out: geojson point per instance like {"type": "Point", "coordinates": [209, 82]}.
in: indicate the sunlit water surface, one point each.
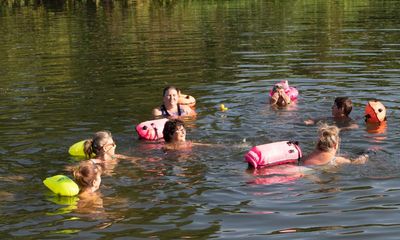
{"type": "Point", "coordinates": [70, 69]}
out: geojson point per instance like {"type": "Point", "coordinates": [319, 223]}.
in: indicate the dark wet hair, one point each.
{"type": "Point", "coordinates": [344, 103]}
{"type": "Point", "coordinates": [170, 87]}
{"type": "Point", "coordinates": [170, 127]}
{"type": "Point", "coordinates": [94, 145]}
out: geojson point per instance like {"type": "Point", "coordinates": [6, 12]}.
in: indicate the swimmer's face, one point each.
{"type": "Point", "coordinates": [277, 88]}
{"type": "Point", "coordinates": [179, 134]}
{"type": "Point", "coordinates": [336, 112]}
{"type": "Point", "coordinates": [171, 97]}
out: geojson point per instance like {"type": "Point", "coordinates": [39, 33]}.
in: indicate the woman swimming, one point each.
{"type": "Point", "coordinates": [325, 152]}
{"type": "Point", "coordinates": [175, 136]}
{"type": "Point", "coordinates": [103, 147]}
{"type": "Point", "coordinates": [341, 110]}
{"type": "Point", "coordinates": [170, 106]}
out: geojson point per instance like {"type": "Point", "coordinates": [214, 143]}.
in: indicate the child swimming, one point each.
{"type": "Point", "coordinates": [341, 110]}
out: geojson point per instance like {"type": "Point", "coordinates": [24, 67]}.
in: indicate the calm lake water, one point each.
{"type": "Point", "coordinates": [69, 69]}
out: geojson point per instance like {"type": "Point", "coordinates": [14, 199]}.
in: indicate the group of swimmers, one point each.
{"type": "Point", "coordinates": [100, 149]}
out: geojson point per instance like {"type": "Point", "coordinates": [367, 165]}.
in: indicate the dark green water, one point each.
{"type": "Point", "coordinates": [69, 69]}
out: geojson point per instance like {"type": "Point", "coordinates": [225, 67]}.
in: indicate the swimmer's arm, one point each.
{"type": "Point", "coordinates": [351, 127]}
{"type": "Point", "coordinates": [309, 122]}
{"type": "Point", "coordinates": [313, 121]}
{"type": "Point", "coordinates": [285, 97]}
{"type": "Point", "coordinates": [203, 144]}
{"type": "Point", "coordinates": [274, 98]}
{"type": "Point", "coordinates": [362, 159]}
{"type": "Point", "coordinates": [342, 160]}
{"type": "Point", "coordinates": [124, 157]}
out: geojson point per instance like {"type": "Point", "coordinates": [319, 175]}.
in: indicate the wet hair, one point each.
{"type": "Point", "coordinates": [170, 87]}
{"type": "Point", "coordinates": [95, 144]}
{"type": "Point", "coordinates": [345, 104]}
{"type": "Point", "coordinates": [170, 128]}
{"type": "Point", "coordinates": [328, 137]}
{"type": "Point", "coordinates": [85, 174]}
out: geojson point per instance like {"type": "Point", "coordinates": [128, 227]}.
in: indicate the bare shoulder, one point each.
{"type": "Point", "coordinates": [157, 112]}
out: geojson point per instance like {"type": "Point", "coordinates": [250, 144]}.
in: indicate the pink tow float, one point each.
{"type": "Point", "coordinates": [274, 154]}
{"type": "Point", "coordinates": [292, 92]}
{"type": "Point", "coordinates": [151, 130]}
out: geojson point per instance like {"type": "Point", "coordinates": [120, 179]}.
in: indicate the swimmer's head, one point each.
{"type": "Point", "coordinates": [277, 87]}
{"type": "Point", "coordinates": [171, 95]}
{"type": "Point", "coordinates": [88, 176]}
{"type": "Point", "coordinates": [174, 131]}
{"type": "Point", "coordinates": [328, 138]}
{"type": "Point", "coordinates": [342, 105]}
{"type": "Point", "coordinates": [101, 143]}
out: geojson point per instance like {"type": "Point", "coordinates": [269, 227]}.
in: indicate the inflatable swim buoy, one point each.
{"type": "Point", "coordinates": [186, 100]}
{"type": "Point", "coordinates": [62, 185]}
{"type": "Point", "coordinates": [376, 128]}
{"type": "Point", "coordinates": [292, 92]}
{"type": "Point", "coordinates": [151, 130]}
{"type": "Point", "coordinates": [77, 149]}
{"type": "Point", "coordinates": [375, 112]}
{"type": "Point", "coordinates": [274, 154]}
{"type": "Point", "coordinates": [280, 174]}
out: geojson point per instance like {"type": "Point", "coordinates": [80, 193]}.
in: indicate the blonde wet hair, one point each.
{"type": "Point", "coordinates": [95, 144]}
{"type": "Point", "coordinates": [328, 137]}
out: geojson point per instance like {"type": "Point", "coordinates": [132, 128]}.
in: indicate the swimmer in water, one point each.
{"type": "Point", "coordinates": [279, 97]}
{"type": "Point", "coordinates": [325, 152]}
{"type": "Point", "coordinates": [341, 110]}
{"type": "Point", "coordinates": [174, 133]}
{"type": "Point", "coordinates": [170, 106]}
{"type": "Point", "coordinates": [88, 177]}
{"type": "Point", "coordinates": [102, 146]}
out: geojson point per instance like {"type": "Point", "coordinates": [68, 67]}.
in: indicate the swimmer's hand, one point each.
{"type": "Point", "coordinates": [309, 122]}
{"type": "Point", "coordinates": [281, 92]}
{"type": "Point", "coordinates": [362, 159]}
{"type": "Point", "coordinates": [374, 149]}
